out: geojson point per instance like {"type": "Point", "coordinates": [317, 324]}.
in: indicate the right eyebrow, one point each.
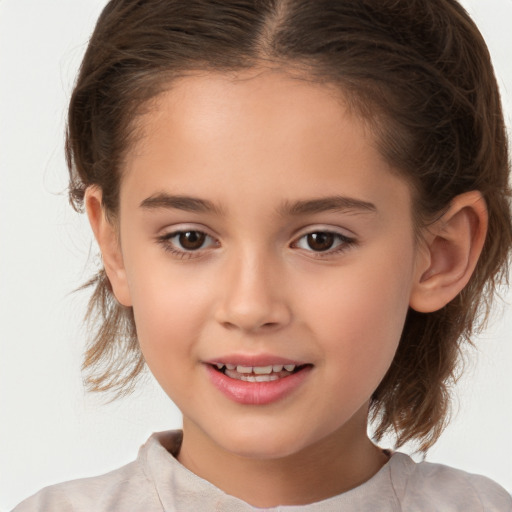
{"type": "Point", "coordinates": [178, 202]}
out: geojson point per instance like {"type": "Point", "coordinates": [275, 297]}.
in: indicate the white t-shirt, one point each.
{"type": "Point", "coordinates": [157, 482]}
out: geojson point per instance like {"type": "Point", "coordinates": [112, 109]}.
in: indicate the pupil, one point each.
{"type": "Point", "coordinates": [320, 241]}
{"type": "Point", "coordinates": [192, 240]}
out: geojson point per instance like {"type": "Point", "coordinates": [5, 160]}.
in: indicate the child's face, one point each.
{"type": "Point", "coordinates": [300, 250]}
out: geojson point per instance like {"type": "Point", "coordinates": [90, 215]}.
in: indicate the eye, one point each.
{"type": "Point", "coordinates": [189, 240]}
{"type": "Point", "coordinates": [186, 241]}
{"type": "Point", "coordinates": [324, 242]}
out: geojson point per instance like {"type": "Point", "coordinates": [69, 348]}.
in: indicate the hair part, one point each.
{"type": "Point", "coordinates": [418, 71]}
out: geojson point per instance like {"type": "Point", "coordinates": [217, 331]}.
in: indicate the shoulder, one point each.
{"type": "Point", "coordinates": [428, 486]}
{"type": "Point", "coordinates": [99, 493]}
{"type": "Point", "coordinates": [127, 488]}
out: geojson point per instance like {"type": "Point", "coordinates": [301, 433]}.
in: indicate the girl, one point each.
{"type": "Point", "coordinates": [302, 209]}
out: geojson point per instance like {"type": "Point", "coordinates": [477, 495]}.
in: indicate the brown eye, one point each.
{"type": "Point", "coordinates": [191, 240]}
{"type": "Point", "coordinates": [320, 241]}
{"type": "Point", "coordinates": [328, 242]}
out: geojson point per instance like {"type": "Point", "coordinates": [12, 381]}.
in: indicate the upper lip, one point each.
{"type": "Point", "coordinates": [254, 360]}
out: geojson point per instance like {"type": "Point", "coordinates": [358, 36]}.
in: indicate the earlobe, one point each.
{"type": "Point", "coordinates": [450, 252]}
{"type": "Point", "coordinates": [107, 237]}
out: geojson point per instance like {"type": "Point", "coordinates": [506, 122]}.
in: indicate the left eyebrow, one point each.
{"type": "Point", "coordinates": [177, 202]}
{"type": "Point", "coordinates": [323, 204]}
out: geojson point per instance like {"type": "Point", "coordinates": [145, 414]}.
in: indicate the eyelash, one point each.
{"type": "Point", "coordinates": [344, 243]}
{"type": "Point", "coordinates": [169, 246]}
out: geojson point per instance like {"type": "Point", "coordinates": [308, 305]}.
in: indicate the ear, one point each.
{"type": "Point", "coordinates": [450, 252]}
{"type": "Point", "coordinates": [106, 234]}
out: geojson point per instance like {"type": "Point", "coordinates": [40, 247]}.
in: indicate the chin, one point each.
{"type": "Point", "coordinates": [264, 444]}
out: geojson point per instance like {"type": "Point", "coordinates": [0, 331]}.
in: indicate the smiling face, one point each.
{"type": "Point", "coordinates": [268, 253]}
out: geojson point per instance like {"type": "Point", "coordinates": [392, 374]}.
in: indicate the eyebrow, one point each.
{"type": "Point", "coordinates": [178, 202]}
{"type": "Point", "coordinates": [288, 208]}
{"type": "Point", "coordinates": [323, 204]}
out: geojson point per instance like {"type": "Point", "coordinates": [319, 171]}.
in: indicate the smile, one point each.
{"type": "Point", "coordinates": [259, 384]}
{"type": "Point", "coordinates": [258, 373]}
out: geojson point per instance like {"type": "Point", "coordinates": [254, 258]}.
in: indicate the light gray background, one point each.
{"type": "Point", "coordinates": [49, 429]}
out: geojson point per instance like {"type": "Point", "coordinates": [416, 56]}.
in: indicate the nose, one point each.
{"type": "Point", "coordinates": [253, 297]}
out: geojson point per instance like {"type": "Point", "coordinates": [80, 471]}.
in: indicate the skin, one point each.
{"type": "Point", "coordinates": [253, 146]}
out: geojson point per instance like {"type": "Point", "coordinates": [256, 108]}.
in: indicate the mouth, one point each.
{"type": "Point", "coordinates": [267, 373]}
{"type": "Point", "coordinates": [259, 382]}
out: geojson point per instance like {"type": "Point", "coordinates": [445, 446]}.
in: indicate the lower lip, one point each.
{"type": "Point", "coordinates": [257, 393]}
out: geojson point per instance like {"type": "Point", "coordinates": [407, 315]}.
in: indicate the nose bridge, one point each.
{"type": "Point", "coordinates": [253, 295]}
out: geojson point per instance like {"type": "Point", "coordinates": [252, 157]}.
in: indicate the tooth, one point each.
{"type": "Point", "coordinates": [264, 378]}
{"type": "Point", "coordinates": [230, 366]}
{"type": "Point", "coordinates": [289, 367]}
{"type": "Point", "coordinates": [219, 366]}
{"type": "Point", "coordinates": [244, 369]}
{"type": "Point", "coordinates": [251, 378]}
{"type": "Point", "coordinates": [232, 374]}
{"type": "Point", "coordinates": [262, 370]}
{"type": "Point", "coordinates": [277, 367]}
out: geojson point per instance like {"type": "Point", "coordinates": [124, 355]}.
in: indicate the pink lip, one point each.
{"type": "Point", "coordinates": [254, 360]}
{"type": "Point", "coordinates": [256, 393]}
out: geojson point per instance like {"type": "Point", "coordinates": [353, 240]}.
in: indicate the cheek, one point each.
{"type": "Point", "coordinates": [170, 309]}
{"type": "Point", "coordinates": [360, 315]}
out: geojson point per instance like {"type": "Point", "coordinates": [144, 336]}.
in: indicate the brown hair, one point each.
{"type": "Point", "coordinates": [417, 70]}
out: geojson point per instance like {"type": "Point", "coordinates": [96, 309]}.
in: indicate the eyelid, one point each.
{"type": "Point", "coordinates": [346, 240]}
{"type": "Point", "coordinates": [164, 238]}
{"type": "Point", "coordinates": [185, 226]}
{"type": "Point", "coordinates": [324, 228]}
{"type": "Point", "coordinates": [167, 234]}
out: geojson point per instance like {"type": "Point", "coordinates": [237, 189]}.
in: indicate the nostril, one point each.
{"type": "Point", "coordinates": [251, 327]}
{"type": "Point", "coordinates": [250, 315]}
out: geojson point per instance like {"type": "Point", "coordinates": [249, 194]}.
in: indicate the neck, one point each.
{"type": "Point", "coordinates": [339, 462]}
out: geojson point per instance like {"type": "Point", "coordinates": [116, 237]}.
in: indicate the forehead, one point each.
{"type": "Point", "coordinates": [258, 132]}
{"type": "Point", "coordinates": [212, 105]}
